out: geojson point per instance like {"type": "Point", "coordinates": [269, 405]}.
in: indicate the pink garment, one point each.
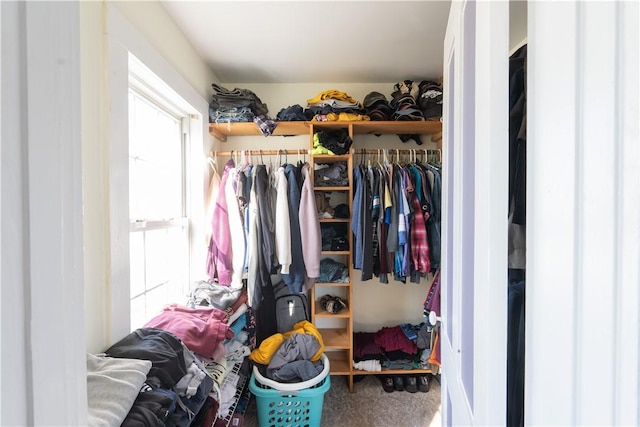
{"type": "Point", "coordinates": [202, 330]}
{"type": "Point", "coordinates": [392, 339]}
{"type": "Point", "coordinates": [309, 226]}
{"type": "Point", "coordinates": [213, 188]}
{"type": "Point", "coordinates": [220, 257]}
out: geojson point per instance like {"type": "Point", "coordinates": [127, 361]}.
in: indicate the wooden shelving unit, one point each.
{"type": "Point", "coordinates": [337, 329]}
{"type": "Point", "coordinates": [428, 127]}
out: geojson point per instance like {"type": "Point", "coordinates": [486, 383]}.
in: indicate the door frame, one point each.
{"type": "Point", "coordinates": [481, 172]}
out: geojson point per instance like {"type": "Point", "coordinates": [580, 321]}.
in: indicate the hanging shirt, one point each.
{"type": "Point", "coordinates": [219, 257]}
{"type": "Point", "coordinates": [383, 222]}
{"type": "Point", "coordinates": [295, 278]}
{"type": "Point", "coordinates": [419, 243]}
{"type": "Point", "coordinates": [210, 202]}
{"type": "Point", "coordinates": [309, 226]}
{"type": "Point", "coordinates": [406, 209]}
{"type": "Point", "coordinates": [235, 224]}
{"type": "Point", "coordinates": [283, 226]}
{"type": "Point", "coordinates": [392, 232]}
{"type": "Point", "coordinates": [356, 223]}
{"type": "Point", "coordinates": [254, 291]}
{"type": "Point", "coordinates": [367, 228]}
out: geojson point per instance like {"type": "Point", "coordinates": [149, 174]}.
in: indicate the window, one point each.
{"type": "Point", "coordinates": [158, 214]}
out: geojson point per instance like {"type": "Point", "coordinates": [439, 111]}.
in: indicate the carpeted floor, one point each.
{"type": "Point", "coordinates": [371, 406]}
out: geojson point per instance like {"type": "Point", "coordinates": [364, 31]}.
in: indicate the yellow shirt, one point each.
{"type": "Point", "coordinates": [331, 94]}
{"type": "Point", "coordinates": [269, 346]}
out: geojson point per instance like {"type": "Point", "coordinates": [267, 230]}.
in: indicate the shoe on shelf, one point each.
{"type": "Point", "coordinates": [387, 383]}
{"type": "Point", "coordinates": [423, 383]}
{"type": "Point", "coordinates": [410, 384]}
{"type": "Point", "coordinates": [398, 384]}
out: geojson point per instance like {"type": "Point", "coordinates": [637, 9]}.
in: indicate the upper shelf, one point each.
{"type": "Point", "coordinates": [427, 127]}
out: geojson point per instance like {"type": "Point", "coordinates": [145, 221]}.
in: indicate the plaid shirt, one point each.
{"type": "Point", "coordinates": [419, 241]}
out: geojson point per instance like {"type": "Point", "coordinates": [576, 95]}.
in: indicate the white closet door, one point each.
{"type": "Point", "coordinates": [583, 219]}
{"type": "Point", "coordinates": [474, 230]}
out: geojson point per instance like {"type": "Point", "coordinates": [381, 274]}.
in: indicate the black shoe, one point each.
{"type": "Point", "coordinates": [398, 384]}
{"type": "Point", "coordinates": [410, 384]}
{"type": "Point", "coordinates": [423, 383]}
{"type": "Point", "coordinates": [387, 384]}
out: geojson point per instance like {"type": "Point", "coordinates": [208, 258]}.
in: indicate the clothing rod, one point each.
{"type": "Point", "coordinates": [394, 151]}
{"type": "Point", "coordinates": [259, 152]}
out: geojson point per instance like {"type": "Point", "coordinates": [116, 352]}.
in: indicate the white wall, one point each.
{"type": "Point", "coordinates": [374, 305]}
{"type": "Point", "coordinates": [162, 34]}
{"type": "Point", "coordinates": [151, 19]}
{"type": "Point", "coordinates": [517, 24]}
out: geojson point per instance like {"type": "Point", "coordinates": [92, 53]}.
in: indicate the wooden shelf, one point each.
{"type": "Point", "coordinates": [386, 371]}
{"type": "Point", "coordinates": [344, 284]}
{"type": "Point", "coordinates": [339, 362]}
{"type": "Point", "coordinates": [222, 130]}
{"type": "Point", "coordinates": [427, 127]}
{"type": "Point", "coordinates": [329, 158]}
{"type": "Point", "coordinates": [326, 188]}
{"type": "Point", "coordinates": [320, 312]}
{"type": "Point", "coordinates": [335, 338]}
{"type": "Point", "coordinates": [329, 220]}
{"type": "Point", "coordinates": [335, 252]}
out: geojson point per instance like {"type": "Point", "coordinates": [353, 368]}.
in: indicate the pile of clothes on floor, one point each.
{"type": "Point", "coordinates": [186, 367]}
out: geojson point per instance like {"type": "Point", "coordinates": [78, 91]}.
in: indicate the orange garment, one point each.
{"type": "Point", "coordinates": [347, 117]}
{"type": "Point", "coordinates": [269, 346]}
{"type": "Point", "coordinates": [433, 357]}
{"type": "Point", "coordinates": [267, 349]}
{"type": "Point", "coordinates": [331, 94]}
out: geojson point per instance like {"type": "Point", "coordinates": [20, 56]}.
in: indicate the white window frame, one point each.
{"type": "Point", "coordinates": [123, 40]}
{"type": "Point", "coordinates": [145, 86]}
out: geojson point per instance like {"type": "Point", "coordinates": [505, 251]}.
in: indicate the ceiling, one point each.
{"type": "Point", "coordinates": [316, 41]}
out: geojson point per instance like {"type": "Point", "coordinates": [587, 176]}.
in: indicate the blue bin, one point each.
{"type": "Point", "coordinates": [289, 408]}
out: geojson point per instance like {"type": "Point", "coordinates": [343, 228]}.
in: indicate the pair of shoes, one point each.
{"type": "Point", "coordinates": [398, 384]}
{"type": "Point", "coordinates": [387, 383]}
{"type": "Point", "coordinates": [333, 304]}
{"type": "Point", "coordinates": [423, 383]}
{"type": "Point", "coordinates": [410, 384]}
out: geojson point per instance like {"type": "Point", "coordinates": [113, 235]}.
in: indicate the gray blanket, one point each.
{"type": "Point", "coordinates": [292, 361]}
{"type": "Point", "coordinates": [112, 386]}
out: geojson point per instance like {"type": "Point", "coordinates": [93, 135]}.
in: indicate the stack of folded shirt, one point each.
{"type": "Point", "coordinates": [377, 107]}
{"type": "Point", "coordinates": [237, 105]}
{"type": "Point", "coordinates": [329, 104]}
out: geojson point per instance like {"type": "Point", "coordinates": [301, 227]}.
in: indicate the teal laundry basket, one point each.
{"type": "Point", "coordinates": [290, 404]}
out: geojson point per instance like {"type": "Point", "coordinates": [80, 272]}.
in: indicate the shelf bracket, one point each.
{"type": "Point", "coordinates": [217, 134]}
